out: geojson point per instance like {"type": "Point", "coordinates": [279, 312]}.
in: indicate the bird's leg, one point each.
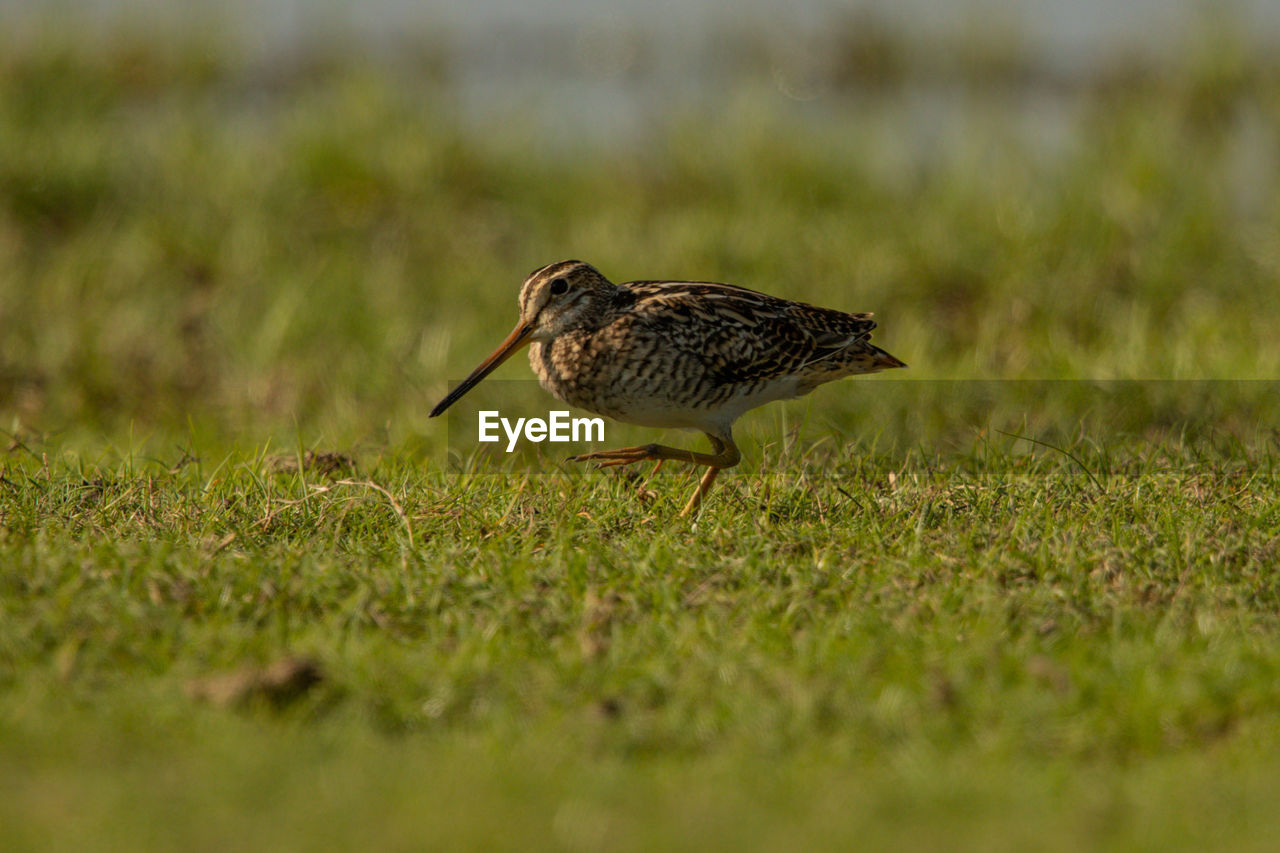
{"type": "Point", "coordinates": [726, 456]}
{"type": "Point", "coordinates": [641, 452]}
{"type": "Point", "coordinates": [704, 485]}
{"type": "Point", "coordinates": [727, 453]}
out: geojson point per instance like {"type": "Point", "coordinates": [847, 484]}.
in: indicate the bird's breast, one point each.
{"type": "Point", "coordinates": [628, 377]}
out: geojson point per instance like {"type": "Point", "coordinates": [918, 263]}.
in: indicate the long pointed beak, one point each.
{"type": "Point", "coordinates": [519, 337]}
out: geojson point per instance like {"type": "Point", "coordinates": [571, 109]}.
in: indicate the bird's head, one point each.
{"type": "Point", "coordinates": [553, 299]}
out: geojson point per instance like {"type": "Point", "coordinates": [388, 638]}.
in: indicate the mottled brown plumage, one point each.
{"type": "Point", "coordinates": [687, 354]}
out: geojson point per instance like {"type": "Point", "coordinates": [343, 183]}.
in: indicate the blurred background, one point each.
{"type": "Point", "coordinates": [284, 221]}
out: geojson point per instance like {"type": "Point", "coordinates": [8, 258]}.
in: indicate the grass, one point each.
{"type": "Point", "coordinates": [1038, 610]}
{"type": "Point", "coordinates": [939, 658]}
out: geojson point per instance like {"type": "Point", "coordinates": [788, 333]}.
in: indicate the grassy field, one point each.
{"type": "Point", "coordinates": [1024, 597]}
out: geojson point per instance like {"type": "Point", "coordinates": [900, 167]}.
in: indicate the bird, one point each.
{"type": "Point", "coordinates": [675, 354]}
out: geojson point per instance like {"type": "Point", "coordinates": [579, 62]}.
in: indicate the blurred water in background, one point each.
{"type": "Point", "coordinates": [1066, 32]}
{"type": "Point", "coordinates": [574, 72]}
{"type": "Point", "coordinates": [578, 45]}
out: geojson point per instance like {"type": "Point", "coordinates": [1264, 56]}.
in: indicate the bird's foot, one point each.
{"type": "Point", "coordinates": [621, 456]}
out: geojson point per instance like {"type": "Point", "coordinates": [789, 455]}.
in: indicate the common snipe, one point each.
{"type": "Point", "coordinates": [687, 354]}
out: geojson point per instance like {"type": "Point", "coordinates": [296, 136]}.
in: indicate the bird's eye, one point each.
{"type": "Point", "coordinates": [559, 286]}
